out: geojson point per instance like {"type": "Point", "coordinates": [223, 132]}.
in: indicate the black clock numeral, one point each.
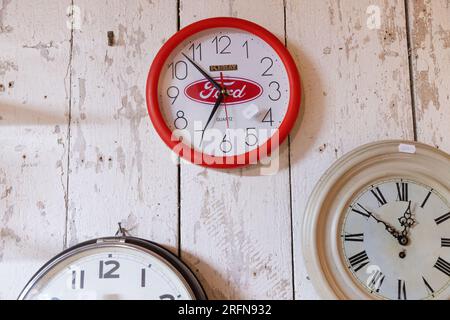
{"type": "Point", "coordinates": [442, 266]}
{"type": "Point", "coordinates": [110, 274]}
{"type": "Point", "coordinates": [222, 39]}
{"type": "Point", "coordinates": [166, 297]}
{"type": "Point", "coordinates": [226, 145]}
{"type": "Point", "coordinates": [379, 196]}
{"type": "Point", "coordinates": [442, 218]}
{"type": "Point", "coordinates": [402, 191]}
{"type": "Point", "coordinates": [194, 48]}
{"type": "Point", "coordinates": [77, 284]}
{"type": "Point", "coordinates": [266, 73]}
{"type": "Point", "coordinates": [143, 277]}
{"type": "Point", "coordinates": [179, 70]}
{"type": "Point", "coordinates": [180, 121]}
{"type": "Point", "coordinates": [426, 199]}
{"type": "Point", "coordinates": [268, 117]}
{"type": "Point", "coordinates": [245, 45]}
{"type": "Point", "coordinates": [276, 91]}
{"type": "Point", "coordinates": [427, 285]}
{"type": "Point", "coordinates": [364, 213]}
{"type": "Point", "coordinates": [251, 138]}
{"type": "Point", "coordinates": [376, 281]}
{"type": "Point", "coordinates": [173, 93]}
{"type": "Point", "coordinates": [445, 242]}
{"type": "Point", "coordinates": [357, 237]}
{"type": "Point", "coordinates": [359, 261]}
{"type": "Point", "coordinates": [401, 290]}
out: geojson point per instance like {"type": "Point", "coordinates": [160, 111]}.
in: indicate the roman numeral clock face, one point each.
{"type": "Point", "coordinates": [223, 87]}
{"type": "Point", "coordinates": [377, 224]}
{"type": "Point", "coordinates": [395, 240]}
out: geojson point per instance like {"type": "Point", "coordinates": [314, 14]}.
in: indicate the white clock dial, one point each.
{"type": "Point", "coordinates": [112, 270]}
{"type": "Point", "coordinates": [257, 88]}
{"type": "Point", "coordinates": [396, 240]}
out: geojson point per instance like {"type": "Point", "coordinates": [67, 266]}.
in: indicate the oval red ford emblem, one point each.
{"type": "Point", "coordinates": [239, 90]}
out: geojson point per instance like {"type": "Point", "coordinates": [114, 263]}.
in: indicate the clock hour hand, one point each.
{"type": "Point", "coordinates": [407, 221]}
{"type": "Point", "coordinates": [207, 76]}
{"type": "Point", "coordinates": [211, 115]}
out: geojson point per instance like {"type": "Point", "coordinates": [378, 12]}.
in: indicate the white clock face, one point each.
{"type": "Point", "coordinates": [110, 273]}
{"type": "Point", "coordinates": [256, 96]}
{"type": "Point", "coordinates": [395, 240]}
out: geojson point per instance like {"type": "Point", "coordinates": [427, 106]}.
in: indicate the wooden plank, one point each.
{"type": "Point", "coordinates": [235, 225]}
{"type": "Point", "coordinates": [356, 83]}
{"type": "Point", "coordinates": [120, 169]}
{"type": "Point", "coordinates": [430, 47]}
{"type": "Point", "coordinates": [33, 136]}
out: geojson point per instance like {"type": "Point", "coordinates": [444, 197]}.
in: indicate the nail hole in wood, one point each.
{"type": "Point", "coordinates": [110, 38]}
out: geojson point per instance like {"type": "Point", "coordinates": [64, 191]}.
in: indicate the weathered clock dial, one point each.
{"type": "Point", "coordinates": [377, 225]}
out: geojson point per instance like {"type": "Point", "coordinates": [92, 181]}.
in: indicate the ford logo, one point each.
{"type": "Point", "coordinates": [239, 90]}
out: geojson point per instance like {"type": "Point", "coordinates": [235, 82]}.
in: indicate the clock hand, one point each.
{"type": "Point", "coordinates": [216, 106]}
{"type": "Point", "coordinates": [207, 76]}
{"type": "Point", "coordinates": [406, 220]}
{"type": "Point", "coordinates": [387, 226]}
{"type": "Point", "coordinates": [224, 98]}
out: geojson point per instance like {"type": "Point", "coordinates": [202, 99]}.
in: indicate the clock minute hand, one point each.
{"type": "Point", "coordinates": [207, 76]}
{"type": "Point", "coordinates": [388, 227]}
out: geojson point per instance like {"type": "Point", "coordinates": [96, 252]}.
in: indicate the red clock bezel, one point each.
{"type": "Point", "coordinates": [207, 160]}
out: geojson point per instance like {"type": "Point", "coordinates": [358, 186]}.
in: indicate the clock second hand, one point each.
{"type": "Point", "coordinates": [224, 104]}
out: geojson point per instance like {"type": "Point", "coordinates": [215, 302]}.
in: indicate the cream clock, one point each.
{"type": "Point", "coordinates": [377, 225]}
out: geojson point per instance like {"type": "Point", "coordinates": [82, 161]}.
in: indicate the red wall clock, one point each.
{"type": "Point", "coordinates": [223, 92]}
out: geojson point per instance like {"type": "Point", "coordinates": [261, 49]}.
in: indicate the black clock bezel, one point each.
{"type": "Point", "coordinates": [188, 276]}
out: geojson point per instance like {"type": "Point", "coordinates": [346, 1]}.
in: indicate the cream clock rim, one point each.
{"type": "Point", "coordinates": [118, 242]}
{"type": "Point", "coordinates": [310, 224]}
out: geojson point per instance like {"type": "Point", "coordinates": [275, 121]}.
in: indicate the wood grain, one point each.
{"type": "Point", "coordinates": [34, 61]}
{"type": "Point", "coordinates": [356, 85]}
{"type": "Point", "coordinates": [430, 47]}
{"type": "Point", "coordinates": [235, 225]}
{"type": "Point", "coordinates": [120, 169]}
{"type": "Point", "coordinates": [79, 153]}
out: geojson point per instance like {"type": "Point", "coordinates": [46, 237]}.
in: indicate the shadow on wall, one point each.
{"type": "Point", "coordinates": [211, 281]}
{"type": "Point", "coordinates": [14, 115]}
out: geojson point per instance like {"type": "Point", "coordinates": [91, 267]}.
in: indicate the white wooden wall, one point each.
{"type": "Point", "coordinates": [78, 153]}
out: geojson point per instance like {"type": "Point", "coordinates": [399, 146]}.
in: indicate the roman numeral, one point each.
{"type": "Point", "coordinates": [359, 260]}
{"type": "Point", "coordinates": [442, 266]}
{"type": "Point", "coordinates": [364, 213]}
{"type": "Point", "coordinates": [445, 242]}
{"type": "Point", "coordinates": [379, 196]}
{"type": "Point", "coordinates": [402, 191]}
{"type": "Point", "coordinates": [358, 237]}
{"type": "Point", "coordinates": [442, 218]}
{"type": "Point", "coordinates": [401, 291]}
{"type": "Point", "coordinates": [376, 281]}
{"type": "Point", "coordinates": [427, 285]}
{"type": "Point", "coordinates": [426, 199]}
{"type": "Point", "coordinates": [143, 277]}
